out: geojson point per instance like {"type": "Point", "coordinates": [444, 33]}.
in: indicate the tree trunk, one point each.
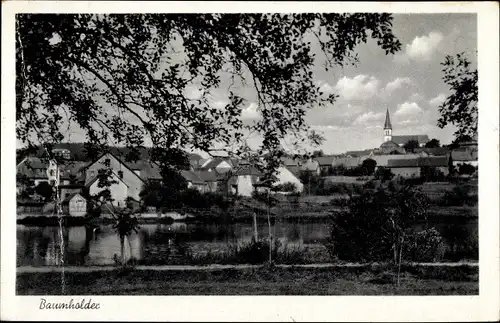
{"type": "Point", "coordinates": [399, 260]}
{"type": "Point", "coordinates": [269, 227]}
{"type": "Point", "coordinates": [255, 232]}
{"type": "Point", "coordinates": [122, 249]}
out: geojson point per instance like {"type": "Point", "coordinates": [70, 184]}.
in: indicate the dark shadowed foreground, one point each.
{"type": "Point", "coordinates": [459, 280]}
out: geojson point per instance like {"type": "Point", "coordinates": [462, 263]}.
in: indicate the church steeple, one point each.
{"type": "Point", "coordinates": [387, 127]}
{"type": "Point", "coordinates": [387, 124]}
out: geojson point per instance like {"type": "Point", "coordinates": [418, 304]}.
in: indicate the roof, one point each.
{"type": "Point", "coordinates": [248, 171]}
{"type": "Point", "coordinates": [434, 161]}
{"type": "Point", "coordinates": [148, 169]}
{"type": "Point", "coordinates": [121, 161]}
{"type": "Point", "coordinates": [383, 160]}
{"type": "Point", "coordinates": [439, 151]}
{"type": "Point", "coordinates": [389, 144]}
{"type": "Point", "coordinates": [401, 140]}
{"type": "Point", "coordinates": [68, 198]}
{"type": "Point", "coordinates": [325, 160]}
{"type": "Point", "coordinates": [347, 161]}
{"type": "Point", "coordinates": [191, 176]}
{"type": "Point", "coordinates": [464, 155]}
{"type": "Point", "coordinates": [310, 165]}
{"type": "Point", "coordinates": [387, 124]}
{"type": "Point", "coordinates": [35, 167]}
{"type": "Point", "coordinates": [206, 176]}
{"type": "Point", "coordinates": [359, 153]}
{"type": "Point", "coordinates": [97, 177]}
{"type": "Point", "coordinates": [213, 163]}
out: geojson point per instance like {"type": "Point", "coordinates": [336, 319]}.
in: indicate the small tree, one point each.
{"type": "Point", "coordinates": [374, 225]}
{"type": "Point", "coordinates": [411, 145]}
{"type": "Point", "coordinates": [383, 174]}
{"type": "Point", "coordinates": [466, 169]}
{"type": "Point", "coordinates": [45, 190]}
{"type": "Point", "coordinates": [433, 143]}
{"type": "Point", "coordinates": [369, 165]}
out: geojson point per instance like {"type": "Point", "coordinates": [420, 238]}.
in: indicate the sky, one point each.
{"type": "Point", "coordinates": [408, 83]}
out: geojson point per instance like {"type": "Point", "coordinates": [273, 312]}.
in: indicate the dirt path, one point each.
{"type": "Point", "coordinates": [45, 269]}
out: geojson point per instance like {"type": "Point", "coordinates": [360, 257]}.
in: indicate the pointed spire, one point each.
{"type": "Point", "coordinates": [387, 124]}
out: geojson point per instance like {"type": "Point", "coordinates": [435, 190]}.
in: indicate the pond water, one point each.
{"type": "Point", "coordinates": [86, 246]}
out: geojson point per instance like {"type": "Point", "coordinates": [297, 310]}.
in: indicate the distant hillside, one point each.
{"type": "Point", "coordinates": [78, 152]}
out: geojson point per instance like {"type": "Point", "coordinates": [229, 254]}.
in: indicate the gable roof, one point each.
{"type": "Point", "coordinates": [69, 197]}
{"type": "Point", "coordinates": [383, 160]}
{"type": "Point", "coordinates": [346, 161]}
{"type": "Point", "coordinates": [359, 153]}
{"type": "Point", "coordinates": [119, 160]}
{"type": "Point", "coordinates": [206, 176]}
{"type": "Point", "coordinates": [325, 160]}
{"type": "Point", "coordinates": [438, 151]}
{"type": "Point", "coordinates": [464, 155]}
{"type": "Point", "coordinates": [401, 140]}
{"type": "Point", "coordinates": [439, 161]}
{"type": "Point", "coordinates": [97, 177]}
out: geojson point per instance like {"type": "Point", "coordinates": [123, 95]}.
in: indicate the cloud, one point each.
{"type": "Point", "coordinates": [408, 109]}
{"type": "Point", "coordinates": [361, 87]}
{"type": "Point", "coordinates": [397, 84]}
{"type": "Point", "coordinates": [325, 127]}
{"type": "Point", "coordinates": [422, 48]}
{"type": "Point", "coordinates": [250, 112]}
{"type": "Point", "coordinates": [369, 117]}
{"type": "Point", "coordinates": [435, 102]}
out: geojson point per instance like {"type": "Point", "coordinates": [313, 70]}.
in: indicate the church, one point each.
{"type": "Point", "coordinates": [394, 144]}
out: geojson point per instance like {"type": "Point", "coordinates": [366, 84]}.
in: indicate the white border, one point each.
{"type": "Point", "coordinates": [310, 308]}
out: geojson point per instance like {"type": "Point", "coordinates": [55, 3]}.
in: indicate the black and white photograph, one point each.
{"type": "Point", "coordinates": [267, 152]}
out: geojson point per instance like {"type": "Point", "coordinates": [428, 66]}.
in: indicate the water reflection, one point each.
{"type": "Point", "coordinates": [41, 246]}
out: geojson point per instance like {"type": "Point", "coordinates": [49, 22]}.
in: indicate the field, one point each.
{"type": "Point", "coordinates": [460, 280]}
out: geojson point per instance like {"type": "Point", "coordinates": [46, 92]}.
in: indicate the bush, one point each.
{"type": "Point", "coordinates": [367, 228]}
{"type": "Point", "coordinates": [383, 174]}
{"type": "Point", "coordinates": [425, 246]}
{"type": "Point", "coordinates": [459, 196]}
{"type": "Point", "coordinates": [466, 169]}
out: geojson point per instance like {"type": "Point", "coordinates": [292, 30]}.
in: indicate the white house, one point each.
{"type": "Point", "coordinates": [77, 205]}
{"type": "Point", "coordinates": [129, 182]}
{"type": "Point", "coordinates": [284, 175]}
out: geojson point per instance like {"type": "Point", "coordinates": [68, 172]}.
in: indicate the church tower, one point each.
{"type": "Point", "coordinates": [387, 127]}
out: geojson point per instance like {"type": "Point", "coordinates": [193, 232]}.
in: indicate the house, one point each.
{"type": "Point", "coordinates": [347, 162]}
{"type": "Point", "coordinates": [465, 155]}
{"type": "Point", "coordinates": [217, 164]}
{"type": "Point", "coordinates": [243, 180]}
{"type": "Point", "coordinates": [284, 175]}
{"type": "Point", "coordinates": [325, 163]}
{"type": "Point", "coordinates": [412, 168]}
{"type": "Point", "coordinates": [383, 160]}
{"type": "Point", "coordinates": [75, 205]}
{"type": "Point", "coordinates": [128, 182]}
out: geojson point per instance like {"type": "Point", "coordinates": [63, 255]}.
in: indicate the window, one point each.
{"type": "Point", "coordinates": [120, 174]}
{"type": "Point", "coordinates": [107, 162]}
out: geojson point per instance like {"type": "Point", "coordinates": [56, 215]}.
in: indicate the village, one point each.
{"type": "Point", "coordinates": [405, 157]}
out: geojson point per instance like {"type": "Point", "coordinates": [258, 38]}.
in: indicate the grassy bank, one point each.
{"type": "Point", "coordinates": [460, 280]}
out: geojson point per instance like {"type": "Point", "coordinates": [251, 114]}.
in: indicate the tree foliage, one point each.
{"type": "Point", "coordinates": [372, 223]}
{"type": "Point", "coordinates": [411, 145]}
{"type": "Point", "coordinates": [433, 143]}
{"type": "Point", "coordinates": [460, 107]}
{"type": "Point", "coordinates": [125, 78]}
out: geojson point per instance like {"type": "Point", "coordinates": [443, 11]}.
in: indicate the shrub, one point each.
{"type": "Point", "coordinates": [466, 169]}
{"type": "Point", "coordinates": [425, 246]}
{"type": "Point", "coordinates": [459, 196]}
{"type": "Point", "coordinates": [383, 174]}
{"type": "Point", "coordinates": [368, 227]}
